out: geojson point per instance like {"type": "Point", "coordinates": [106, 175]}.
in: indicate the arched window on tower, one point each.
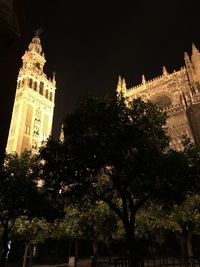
{"type": "Point", "coordinates": [35, 86]}
{"type": "Point", "coordinates": [37, 65]}
{"type": "Point", "coordinates": [19, 83]}
{"type": "Point", "coordinates": [41, 88]}
{"type": "Point", "coordinates": [198, 86]}
{"type": "Point", "coordinates": [31, 83]}
{"type": "Point", "coordinates": [50, 96]}
{"type": "Point", "coordinates": [47, 94]}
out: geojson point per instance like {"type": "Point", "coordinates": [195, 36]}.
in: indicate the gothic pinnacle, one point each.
{"type": "Point", "coordinates": [119, 85]}
{"type": "Point", "coordinates": [119, 81]}
{"type": "Point", "coordinates": [187, 59]}
{"type": "Point", "coordinates": [54, 78]}
{"type": "Point", "coordinates": [123, 84]}
{"type": "Point", "coordinates": [186, 56]}
{"type": "Point", "coordinates": [165, 72]}
{"type": "Point", "coordinates": [143, 79]}
{"type": "Point", "coordinates": [194, 49]}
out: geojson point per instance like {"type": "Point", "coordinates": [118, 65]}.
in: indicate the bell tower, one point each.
{"type": "Point", "coordinates": [32, 115]}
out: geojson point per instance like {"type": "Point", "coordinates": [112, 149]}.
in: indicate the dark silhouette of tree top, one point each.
{"type": "Point", "coordinates": [112, 152]}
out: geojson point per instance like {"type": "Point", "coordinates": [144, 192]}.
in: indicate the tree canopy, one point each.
{"type": "Point", "coordinates": [20, 195]}
{"type": "Point", "coordinates": [112, 151]}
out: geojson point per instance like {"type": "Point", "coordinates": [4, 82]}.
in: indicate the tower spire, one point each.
{"type": "Point", "coordinates": [54, 78]}
{"type": "Point", "coordinates": [35, 45]}
{"type": "Point", "coordinates": [165, 72]}
{"type": "Point", "coordinates": [186, 58]}
{"type": "Point", "coordinates": [121, 86]}
{"type": "Point", "coordinates": [143, 79]}
{"type": "Point", "coordinates": [119, 81]}
{"type": "Point", "coordinates": [194, 49]}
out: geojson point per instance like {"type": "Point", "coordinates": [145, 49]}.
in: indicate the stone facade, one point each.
{"type": "Point", "coordinates": [177, 93]}
{"type": "Point", "coordinates": [32, 115]}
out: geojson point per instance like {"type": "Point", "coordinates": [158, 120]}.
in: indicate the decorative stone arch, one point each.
{"type": "Point", "coordinates": [144, 97]}
{"type": "Point", "coordinates": [35, 86]}
{"type": "Point", "coordinates": [51, 96]}
{"type": "Point", "coordinates": [41, 90]}
{"type": "Point", "coordinates": [163, 99]}
{"type": "Point", "coordinates": [19, 84]}
{"type": "Point", "coordinates": [23, 82]}
{"type": "Point", "coordinates": [47, 93]}
{"type": "Point", "coordinates": [31, 83]}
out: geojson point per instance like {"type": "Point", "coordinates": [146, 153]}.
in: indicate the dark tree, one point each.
{"type": "Point", "coordinates": [20, 195]}
{"type": "Point", "coordinates": [112, 152]}
{"type": "Point", "coordinates": [180, 173]}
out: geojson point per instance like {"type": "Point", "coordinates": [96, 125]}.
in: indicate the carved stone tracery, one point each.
{"type": "Point", "coordinates": [178, 93]}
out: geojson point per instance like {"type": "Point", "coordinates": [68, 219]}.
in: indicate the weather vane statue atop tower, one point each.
{"type": "Point", "coordinates": [38, 31]}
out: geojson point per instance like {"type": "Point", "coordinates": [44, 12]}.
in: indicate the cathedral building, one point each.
{"type": "Point", "coordinates": [32, 115]}
{"type": "Point", "coordinates": [178, 94]}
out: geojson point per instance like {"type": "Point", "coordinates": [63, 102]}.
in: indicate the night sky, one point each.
{"type": "Point", "coordinates": [89, 47]}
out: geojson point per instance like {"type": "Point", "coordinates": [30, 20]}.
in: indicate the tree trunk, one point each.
{"type": "Point", "coordinates": [131, 245]}
{"type": "Point", "coordinates": [26, 253]}
{"type": "Point", "coordinates": [76, 249]}
{"type": "Point", "coordinates": [181, 240]}
{"type": "Point", "coordinates": [69, 248]}
{"type": "Point", "coordinates": [4, 245]}
{"type": "Point", "coordinates": [95, 253]}
{"type": "Point", "coordinates": [134, 253]}
{"type": "Point", "coordinates": [129, 230]}
{"type": "Point", "coordinates": [189, 245]}
{"type": "Point", "coordinates": [109, 251]}
{"type": "Point", "coordinates": [186, 244]}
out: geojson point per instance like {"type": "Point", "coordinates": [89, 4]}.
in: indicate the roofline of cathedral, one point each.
{"type": "Point", "coordinates": [159, 79]}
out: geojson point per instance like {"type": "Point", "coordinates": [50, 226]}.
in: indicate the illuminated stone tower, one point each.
{"type": "Point", "coordinates": [33, 109]}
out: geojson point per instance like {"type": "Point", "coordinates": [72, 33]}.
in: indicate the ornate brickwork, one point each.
{"type": "Point", "coordinates": [32, 116]}
{"type": "Point", "coordinates": [178, 93]}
